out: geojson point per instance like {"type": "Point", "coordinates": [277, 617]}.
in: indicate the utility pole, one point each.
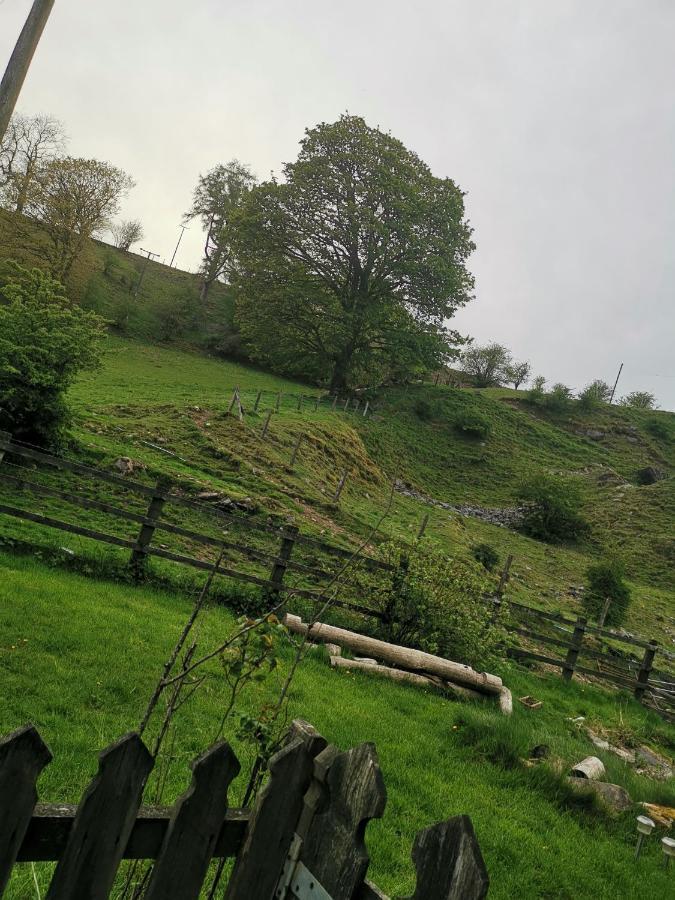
{"type": "Point", "coordinates": [145, 266]}
{"type": "Point", "coordinates": [20, 60]}
{"type": "Point", "coordinates": [611, 399]}
{"type": "Point", "coordinates": [185, 228]}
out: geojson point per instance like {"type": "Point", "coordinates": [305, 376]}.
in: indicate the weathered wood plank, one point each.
{"type": "Point", "coordinates": [334, 849]}
{"type": "Point", "coordinates": [517, 653]}
{"type": "Point", "coordinates": [50, 825]}
{"type": "Point", "coordinates": [194, 827]}
{"type": "Point", "coordinates": [449, 863]}
{"type": "Point", "coordinates": [104, 820]}
{"type": "Point", "coordinates": [23, 755]}
{"type": "Point", "coordinates": [275, 816]}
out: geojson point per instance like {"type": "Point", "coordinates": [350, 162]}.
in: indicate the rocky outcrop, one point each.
{"type": "Point", "coordinates": [505, 517]}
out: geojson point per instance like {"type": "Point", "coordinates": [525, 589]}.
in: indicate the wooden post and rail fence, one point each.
{"type": "Point", "coordinates": [577, 639]}
{"type": "Point", "coordinates": [303, 838]}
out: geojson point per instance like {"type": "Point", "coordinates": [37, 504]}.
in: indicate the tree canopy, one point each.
{"type": "Point", "coordinates": [350, 267]}
{"type": "Point", "coordinates": [73, 199]}
{"type": "Point", "coordinates": [28, 145]}
{"type": "Point", "coordinates": [217, 195]}
{"type": "Point", "coordinates": [487, 365]}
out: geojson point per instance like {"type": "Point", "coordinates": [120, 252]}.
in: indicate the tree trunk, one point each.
{"type": "Point", "coordinates": [338, 381]}
{"type": "Point", "coordinates": [204, 290]}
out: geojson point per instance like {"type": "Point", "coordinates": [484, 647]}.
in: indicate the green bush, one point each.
{"type": "Point", "coordinates": [558, 398]}
{"type": "Point", "coordinates": [438, 607]}
{"type": "Point", "coordinates": [45, 341]}
{"type": "Point", "coordinates": [486, 555]}
{"type": "Point", "coordinates": [595, 394]}
{"type": "Point", "coordinates": [536, 393]}
{"type": "Point", "coordinates": [605, 580]}
{"type": "Point", "coordinates": [473, 424]}
{"type": "Point", "coordinates": [553, 505]}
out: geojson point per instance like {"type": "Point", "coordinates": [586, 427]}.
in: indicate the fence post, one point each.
{"type": "Point", "coordinates": [281, 563]}
{"type": "Point", "coordinates": [603, 614]}
{"type": "Point", "coordinates": [4, 436]}
{"type": "Point", "coordinates": [573, 653]}
{"type": "Point", "coordinates": [257, 401]}
{"type": "Point", "coordinates": [296, 448]}
{"type": "Point", "coordinates": [423, 527]}
{"type": "Point", "coordinates": [278, 401]}
{"type": "Point", "coordinates": [233, 401]}
{"type": "Point", "coordinates": [346, 405]}
{"type": "Point", "coordinates": [300, 403]}
{"type": "Point", "coordinates": [316, 403]}
{"type": "Point", "coordinates": [144, 539]}
{"type": "Point", "coordinates": [335, 400]}
{"type": "Point", "coordinates": [645, 670]}
{"type": "Point", "coordinates": [266, 423]}
{"type": "Point", "coordinates": [504, 578]}
{"type": "Point", "coordinates": [340, 486]}
{"type": "Point", "coordinates": [365, 408]}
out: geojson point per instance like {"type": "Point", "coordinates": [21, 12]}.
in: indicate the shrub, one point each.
{"type": "Point", "coordinates": [425, 410]}
{"type": "Point", "coordinates": [45, 341]}
{"type": "Point", "coordinates": [594, 394]}
{"type": "Point", "coordinates": [536, 392]}
{"type": "Point", "coordinates": [438, 607]}
{"type": "Point", "coordinates": [605, 580]}
{"type": "Point", "coordinates": [473, 424]}
{"type": "Point", "coordinates": [558, 398]}
{"type": "Point", "coordinates": [639, 400]}
{"type": "Point", "coordinates": [486, 555]}
{"type": "Point", "coordinates": [553, 505]}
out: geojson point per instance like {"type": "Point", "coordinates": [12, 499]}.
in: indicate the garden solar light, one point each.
{"type": "Point", "coordinates": [668, 845]}
{"type": "Point", "coordinates": [644, 826]}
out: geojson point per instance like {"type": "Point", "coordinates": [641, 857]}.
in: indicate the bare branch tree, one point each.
{"type": "Point", "coordinates": [30, 143]}
{"type": "Point", "coordinates": [126, 233]}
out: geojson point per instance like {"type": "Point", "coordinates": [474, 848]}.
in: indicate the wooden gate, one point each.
{"type": "Point", "coordinates": [304, 838]}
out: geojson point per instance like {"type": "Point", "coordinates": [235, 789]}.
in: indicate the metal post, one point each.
{"type": "Point", "coordinates": [185, 228]}
{"type": "Point", "coordinates": [145, 266]}
{"type": "Point", "coordinates": [20, 60]}
{"type": "Point", "coordinates": [611, 399]}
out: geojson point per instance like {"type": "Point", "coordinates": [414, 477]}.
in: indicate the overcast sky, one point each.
{"type": "Point", "coordinates": [557, 117]}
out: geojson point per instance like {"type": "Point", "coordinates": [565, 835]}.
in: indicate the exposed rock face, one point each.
{"type": "Point", "coordinates": [593, 433]}
{"type": "Point", "coordinates": [222, 501]}
{"type": "Point", "coordinates": [507, 517]}
{"type": "Point", "coordinates": [650, 475]}
{"type": "Point", "coordinates": [126, 466]}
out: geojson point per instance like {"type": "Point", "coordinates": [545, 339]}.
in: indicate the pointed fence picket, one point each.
{"type": "Point", "coordinates": [303, 838]}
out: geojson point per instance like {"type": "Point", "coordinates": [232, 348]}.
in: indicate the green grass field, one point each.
{"type": "Point", "coordinates": [79, 657]}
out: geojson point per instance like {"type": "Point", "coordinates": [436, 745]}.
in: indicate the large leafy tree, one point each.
{"type": "Point", "coordinates": [349, 268]}
{"type": "Point", "coordinates": [217, 195]}
{"type": "Point", "coordinates": [73, 199]}
{"type": "Point", "coordinates": [45, 342]}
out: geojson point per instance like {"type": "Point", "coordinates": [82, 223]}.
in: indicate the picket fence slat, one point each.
{"type": "Point", "coordinates": [104, 820]}
{"type": "Point", "coordinates": [23, 755]}
{"type": "Point", "coordinates": [449, 863]}
{"type": "Point", "coordinates": [191, 837]}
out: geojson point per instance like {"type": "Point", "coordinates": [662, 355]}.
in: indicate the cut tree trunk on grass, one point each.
{"type": "Point", "coordinates": [506, 701]}
{"type": "Point", "coordinates": [339, 662]}
{"type": "Point", "coordinates": [414, 660]}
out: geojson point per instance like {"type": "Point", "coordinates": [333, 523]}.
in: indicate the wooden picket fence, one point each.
{"type": "Point", "coordinates": [266, 555]}
{"type": "Point", "coordinates": [304, 837]}
{"type": "Point", "coordinates": [593, 651]}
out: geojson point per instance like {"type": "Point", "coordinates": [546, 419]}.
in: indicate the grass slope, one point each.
{"type": "Point", "coordinates": [79, 657]}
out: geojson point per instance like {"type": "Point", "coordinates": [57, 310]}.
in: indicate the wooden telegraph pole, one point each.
{"type": "Point", "coordinates": [20, 60]}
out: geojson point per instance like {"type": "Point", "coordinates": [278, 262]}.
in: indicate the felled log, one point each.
{"type": "Point", "coordinates": [416, 660]}
{"type": "Point", "coordinates": [339, 662]}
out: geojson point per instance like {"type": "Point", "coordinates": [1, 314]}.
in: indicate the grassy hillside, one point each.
{"type": "Point", "coordinates": [79, 658]}
{"type": "Point", "coordinates": [104, 279]}
{"type": "Point", "coordinates": [178, 401]}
